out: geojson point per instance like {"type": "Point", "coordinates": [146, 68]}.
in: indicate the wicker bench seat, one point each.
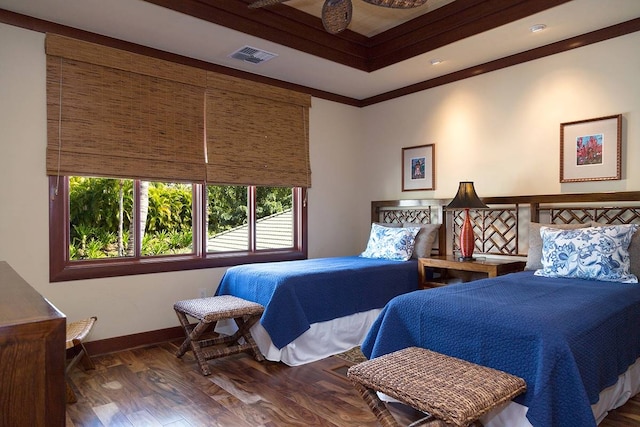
{"type": "Point", "coordinates": [208, 311]}
{"type": "Point", "coordinates": [453, 392]}
{"type": "Point", "coordinates": [76, 333]}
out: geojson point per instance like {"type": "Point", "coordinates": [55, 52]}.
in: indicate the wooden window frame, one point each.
{"type": "Point", "coordinates": [63, 269]}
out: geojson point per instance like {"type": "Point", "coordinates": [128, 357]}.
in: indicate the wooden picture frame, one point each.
{"type": "Point", "coordinates": [418, 168]}
{"type": "Point", "coordinates": [590, 150]}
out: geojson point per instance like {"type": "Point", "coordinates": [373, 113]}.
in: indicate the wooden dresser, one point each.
{"type": "Point", "coordinates": [32, 355]}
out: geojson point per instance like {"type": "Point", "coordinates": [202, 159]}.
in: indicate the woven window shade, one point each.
{"type": "Point", "coordinates": [256, 134]}
{"type": "Point", "coordinates": [119, 114]}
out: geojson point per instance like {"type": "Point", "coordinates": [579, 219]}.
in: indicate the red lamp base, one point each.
{"type": "Point", "coordinates": [467, 239]}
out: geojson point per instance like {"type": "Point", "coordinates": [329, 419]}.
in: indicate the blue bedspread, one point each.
{"type": "Point", "coordinates": [568, 339]}
{"type": "Point", "coordinates": [298, 293]}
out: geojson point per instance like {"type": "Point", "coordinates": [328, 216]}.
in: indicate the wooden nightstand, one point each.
{"type": "Point", "coordinates": [492, 267]}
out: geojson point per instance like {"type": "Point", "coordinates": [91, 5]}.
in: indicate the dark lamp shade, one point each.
{"type": "Point", "coordinates": [466, 198]}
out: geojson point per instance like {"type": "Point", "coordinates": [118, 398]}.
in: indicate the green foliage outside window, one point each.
{"type": "Point", "coordinates": [101, 211]}
{"type": "Point", "coordinates": [271, 200]}
{"type": "Point", "coordinates": [94, 215]}
{"type": "Point", "coordinates": [227, 206]}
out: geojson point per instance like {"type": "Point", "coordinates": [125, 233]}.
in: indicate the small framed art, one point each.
{"type": "Point", "coordinates": [590, 150]}
{"type": "Point", "coordinates": [418, 168]}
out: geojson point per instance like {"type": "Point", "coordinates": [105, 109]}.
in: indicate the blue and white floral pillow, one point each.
{"type": "Point", "coordinates": [596, 253]}
{"type": "Point", "coordinates": [391, 243]}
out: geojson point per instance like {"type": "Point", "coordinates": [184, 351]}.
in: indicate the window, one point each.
{"type": "Point", "coordinates": [100, 218]}
{"type": "Point", "coordinates": [274, 218]}
{"type": "Point", "coordinates": [227, 218]}
{"type": "Point", "coordinates": [134, 144]}
{"type": "Point", "coordinates": [94, 234]}
{"type": "Point", "coordinates": [229, 213]}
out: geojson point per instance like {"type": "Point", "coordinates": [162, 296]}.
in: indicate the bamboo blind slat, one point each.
{"type": "Point", "coordinates": [83, 164]}
{"type": "Point", "coordinates": [233, 84]}
{"type": "Point", "coordinates": [65, 47]}
{"type": "Point", "coordinates": [122, 124]}
{"type": "Point", "coordinates": [256, 141]}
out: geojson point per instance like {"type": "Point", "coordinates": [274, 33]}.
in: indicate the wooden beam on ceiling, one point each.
{"type": "Point", "coordinates": [280, 24]}
{"type": "Point", "coordinates": [293, 28]}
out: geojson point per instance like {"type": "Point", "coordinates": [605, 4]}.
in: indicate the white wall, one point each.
{"type": "Point", "coordinates": [502, 129]}
{"type": "Point", "coordinates": [128, 305]}
{"type": "Point", "coordinates": [339, 210]}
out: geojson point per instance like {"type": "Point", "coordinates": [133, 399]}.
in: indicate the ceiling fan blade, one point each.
{"type": "Point", "coordinates": [397, 4]}
{"type": "Point", "coordinates": [262, 3]}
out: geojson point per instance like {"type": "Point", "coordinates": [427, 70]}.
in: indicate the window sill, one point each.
{"type": "Point", "coordinates": [93, 269]}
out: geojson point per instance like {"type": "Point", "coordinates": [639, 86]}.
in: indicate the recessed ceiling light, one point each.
{"type": "Point", "coordinates": [435, 61]}
{"type": "Point", "coordinates": [538, 27]}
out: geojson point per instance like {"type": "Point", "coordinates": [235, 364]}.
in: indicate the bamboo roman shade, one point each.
{"type": "Point", "coordinates": [114, 113]}
{"type": "Point", "coordinates": [119, 114]}
{"type": "Point", "coordinates": [256, 134]}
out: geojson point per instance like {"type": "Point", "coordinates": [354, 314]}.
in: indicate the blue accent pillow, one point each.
{"type": "Point", "coordinates": [596, 253]}
{"type": "Point", "coordinates": [391, 243]}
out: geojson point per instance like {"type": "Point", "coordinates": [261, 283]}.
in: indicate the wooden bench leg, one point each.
{"type": "Point", "coordinates": [191, 341]}
{"type": "Point", "coordinates": [87, 364]}
{"type": "Point", "coordinates": [386, 419]}
{"type": "Point", "coordinates": [244, 326]}
{"type": "Point", "coordinates": [71, 396]}
{"type": "Point", "coordinates": [86, 361]}
{"type": "Point", "coordinates": [377, 406]}
{"type": "Point", "coordinates": [187, 329]}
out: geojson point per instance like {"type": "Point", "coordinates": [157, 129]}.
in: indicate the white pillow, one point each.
{"type": "Point", "coordinates": [596, 253]}
{"type": "Point", "coordinates": [390, 243]}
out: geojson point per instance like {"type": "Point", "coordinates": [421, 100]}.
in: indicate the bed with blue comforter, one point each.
{"type": "Point", "coordinates": [297, 294]}
{"type": "Point", "coordinates": [568, 338]}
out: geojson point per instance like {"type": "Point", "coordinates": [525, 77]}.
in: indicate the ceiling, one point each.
{"type": "Point", "coordinates": [385, 52]}
{"type": "Point", "coordinates": [367, 19]}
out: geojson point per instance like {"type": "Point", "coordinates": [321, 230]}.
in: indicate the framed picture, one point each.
{"type": "Point", "coordinates": [590, 149]}
{"type": "Point", "coordinates": [418, 168]}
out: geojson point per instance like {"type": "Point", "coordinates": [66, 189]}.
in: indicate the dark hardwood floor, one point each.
{"type": "Point", "coordinates": [151, 387]}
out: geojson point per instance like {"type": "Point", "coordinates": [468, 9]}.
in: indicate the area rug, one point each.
{"type": "Point", "coordinates": [352, 356]}
{"type": "Point", "coordinates": [343, 361]}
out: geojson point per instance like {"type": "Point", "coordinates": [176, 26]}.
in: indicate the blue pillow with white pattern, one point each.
{"type": "Point", "coordinates": [596, 253]}
{"type": "Point", "coordinates": [390, 243]}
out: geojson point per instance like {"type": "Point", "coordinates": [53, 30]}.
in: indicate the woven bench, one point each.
{"type": "Point", "coordinates": [208, 311]}
{"type": "Point", "coordinates": [76, 333]}
{"type": "Point", "coordinates": [453, 392]}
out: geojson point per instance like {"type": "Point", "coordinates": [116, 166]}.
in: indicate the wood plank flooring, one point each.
{"type": "Point", "coordinates": [151, 387]}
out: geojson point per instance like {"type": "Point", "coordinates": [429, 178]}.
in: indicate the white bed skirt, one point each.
{"type": "Point", "coordinates": [628, 385]}
{"type": "Point", "coordinates": [325, 339]}
{"type": "Point", "coordinates": [321, 340]}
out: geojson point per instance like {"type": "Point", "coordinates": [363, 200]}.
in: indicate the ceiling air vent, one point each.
{"type": "Point", "coordinates": [253, 55]}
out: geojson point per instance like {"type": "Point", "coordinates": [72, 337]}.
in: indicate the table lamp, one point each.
{"type": "Point", "coordinates": [466, 199]}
